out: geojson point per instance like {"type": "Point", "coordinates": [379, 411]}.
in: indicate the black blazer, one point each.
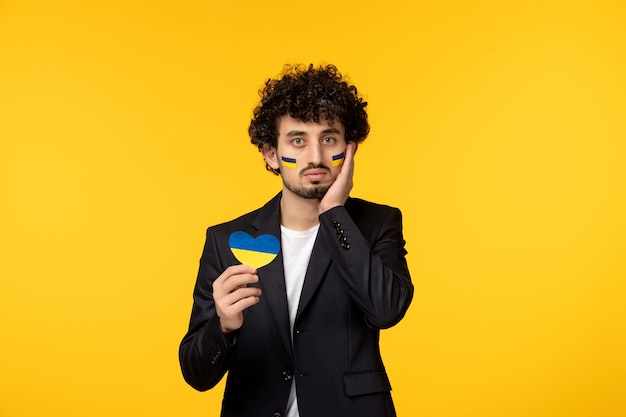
{"type": "Point", "coordinates": [357, 282]}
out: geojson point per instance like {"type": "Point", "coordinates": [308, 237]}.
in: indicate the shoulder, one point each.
{"type": "Point", "coordinates": [270, 212]}
{"type": "Point", "coordinates": [246, 218]}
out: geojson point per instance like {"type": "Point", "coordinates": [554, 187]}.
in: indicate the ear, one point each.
{"type": "Point", "coordinates": [270, 156]}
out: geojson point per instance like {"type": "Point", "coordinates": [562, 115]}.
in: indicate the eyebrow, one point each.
{"type": "Point", "coordinates": [293, 133]}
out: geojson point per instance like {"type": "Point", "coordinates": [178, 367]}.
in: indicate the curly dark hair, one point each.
{"type": "Point", "coordinates": [308, 93]}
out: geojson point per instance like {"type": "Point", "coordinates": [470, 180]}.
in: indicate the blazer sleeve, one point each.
{"type": "Point", "coordinates": [371, 260]}
{"type": "Point", "coordinates": [204, 352]}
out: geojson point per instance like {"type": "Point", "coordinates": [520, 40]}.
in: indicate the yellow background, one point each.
{"type": "Point", "coordinates": [498, 128]}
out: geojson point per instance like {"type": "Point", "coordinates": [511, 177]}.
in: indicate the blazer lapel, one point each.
{"type": "Point", "coordinates": [272, 276]}
{"type": "Point", "coordinates": [319, 263]}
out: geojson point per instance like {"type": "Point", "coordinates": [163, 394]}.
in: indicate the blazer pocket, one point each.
{"type": "Point", "coordinates": [366, 382]}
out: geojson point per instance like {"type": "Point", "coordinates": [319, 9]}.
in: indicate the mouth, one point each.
{"type": "Point", "coordinates": [315, 174]}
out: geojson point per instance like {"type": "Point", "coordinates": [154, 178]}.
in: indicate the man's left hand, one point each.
{"type": "Point", "coordinates": [338, 193]}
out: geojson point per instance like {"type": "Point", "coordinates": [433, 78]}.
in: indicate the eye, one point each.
{"type": "Point", "coordinates": [328, 141]}
{"type": "Point", "coordinates": [297, 141]}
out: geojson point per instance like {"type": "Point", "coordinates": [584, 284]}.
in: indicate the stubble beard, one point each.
{"type": "Point", "coordinates": [314, 192]}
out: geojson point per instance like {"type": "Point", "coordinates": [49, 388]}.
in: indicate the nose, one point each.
{"type": "Point", "coordinates": [315, 155]}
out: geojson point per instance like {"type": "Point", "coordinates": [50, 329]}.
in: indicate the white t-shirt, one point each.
{"type": "Point", "coordinates": [297, 247]}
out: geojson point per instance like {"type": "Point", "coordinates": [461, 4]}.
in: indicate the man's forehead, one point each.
{"type": "Point", "coordinates": [287, 123]}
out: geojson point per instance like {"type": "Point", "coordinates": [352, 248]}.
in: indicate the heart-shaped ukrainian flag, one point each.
{"type": "Point", "coordinates": [254, 252]}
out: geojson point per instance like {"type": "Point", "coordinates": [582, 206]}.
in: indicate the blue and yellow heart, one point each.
{"type": "Point", "coordinates": [256, 252]}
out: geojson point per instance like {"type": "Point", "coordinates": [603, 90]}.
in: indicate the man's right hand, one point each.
{"type": "Point", "coordinates": [232, 295]}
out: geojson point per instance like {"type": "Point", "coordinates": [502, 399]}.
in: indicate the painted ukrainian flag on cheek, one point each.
{"type": "Point", "coordinates": [288, 162]}
{"type": "Point", "coordinates": [338, 159]}
{"type": "Point", "coordinates": [255, 252]}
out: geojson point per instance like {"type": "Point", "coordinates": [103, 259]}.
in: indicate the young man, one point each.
{"type": "Point", "coordinates": [290, 298]}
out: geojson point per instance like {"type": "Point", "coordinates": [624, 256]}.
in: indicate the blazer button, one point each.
{"type": "Point", "coordinates": [276, 415]}
{"type": "Point", "coordinates": [287, 376]}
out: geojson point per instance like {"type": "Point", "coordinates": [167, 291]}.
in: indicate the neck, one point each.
{"type": "Point", "coordinates": [297, 213]}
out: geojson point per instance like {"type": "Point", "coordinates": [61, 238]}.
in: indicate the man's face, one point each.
{"type": "Point", "coordinates": [309, 155]}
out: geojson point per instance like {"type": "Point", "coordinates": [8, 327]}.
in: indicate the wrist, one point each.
{"type": "Point", "coordinates": [324, 207]}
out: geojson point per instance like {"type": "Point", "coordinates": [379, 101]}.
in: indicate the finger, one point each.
{"type": "Point", "coordinates": [233, 282]}
{"type": "Point", "coordinates": [240, 293]}
{"type": "Point", "coordinates": [351, 148]}
{"type": "Point", "coordinates": [350, 151]}
{"type": "Point", "coordinates": [232, 303]}
{"type": "Point", "coordinates": [237, 299]}
{"type": "Point", "coordinates": [239, 306]}
{"type": "Point", "coordinates": [247, 302]}
{"type": "Point", "coordinates": [234, 270]}
{"type": "Point", "coordinates": [239, 269]}
{"type": "Point", "coordinates": [348, 163]}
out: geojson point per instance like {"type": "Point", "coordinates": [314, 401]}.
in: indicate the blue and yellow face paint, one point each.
{"type": "Point", "coordinates": [291, 162]}
{"type": "Point", "coordinates": [288, 162]}
{"type": "Point", "coordinates": [338, 159]}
